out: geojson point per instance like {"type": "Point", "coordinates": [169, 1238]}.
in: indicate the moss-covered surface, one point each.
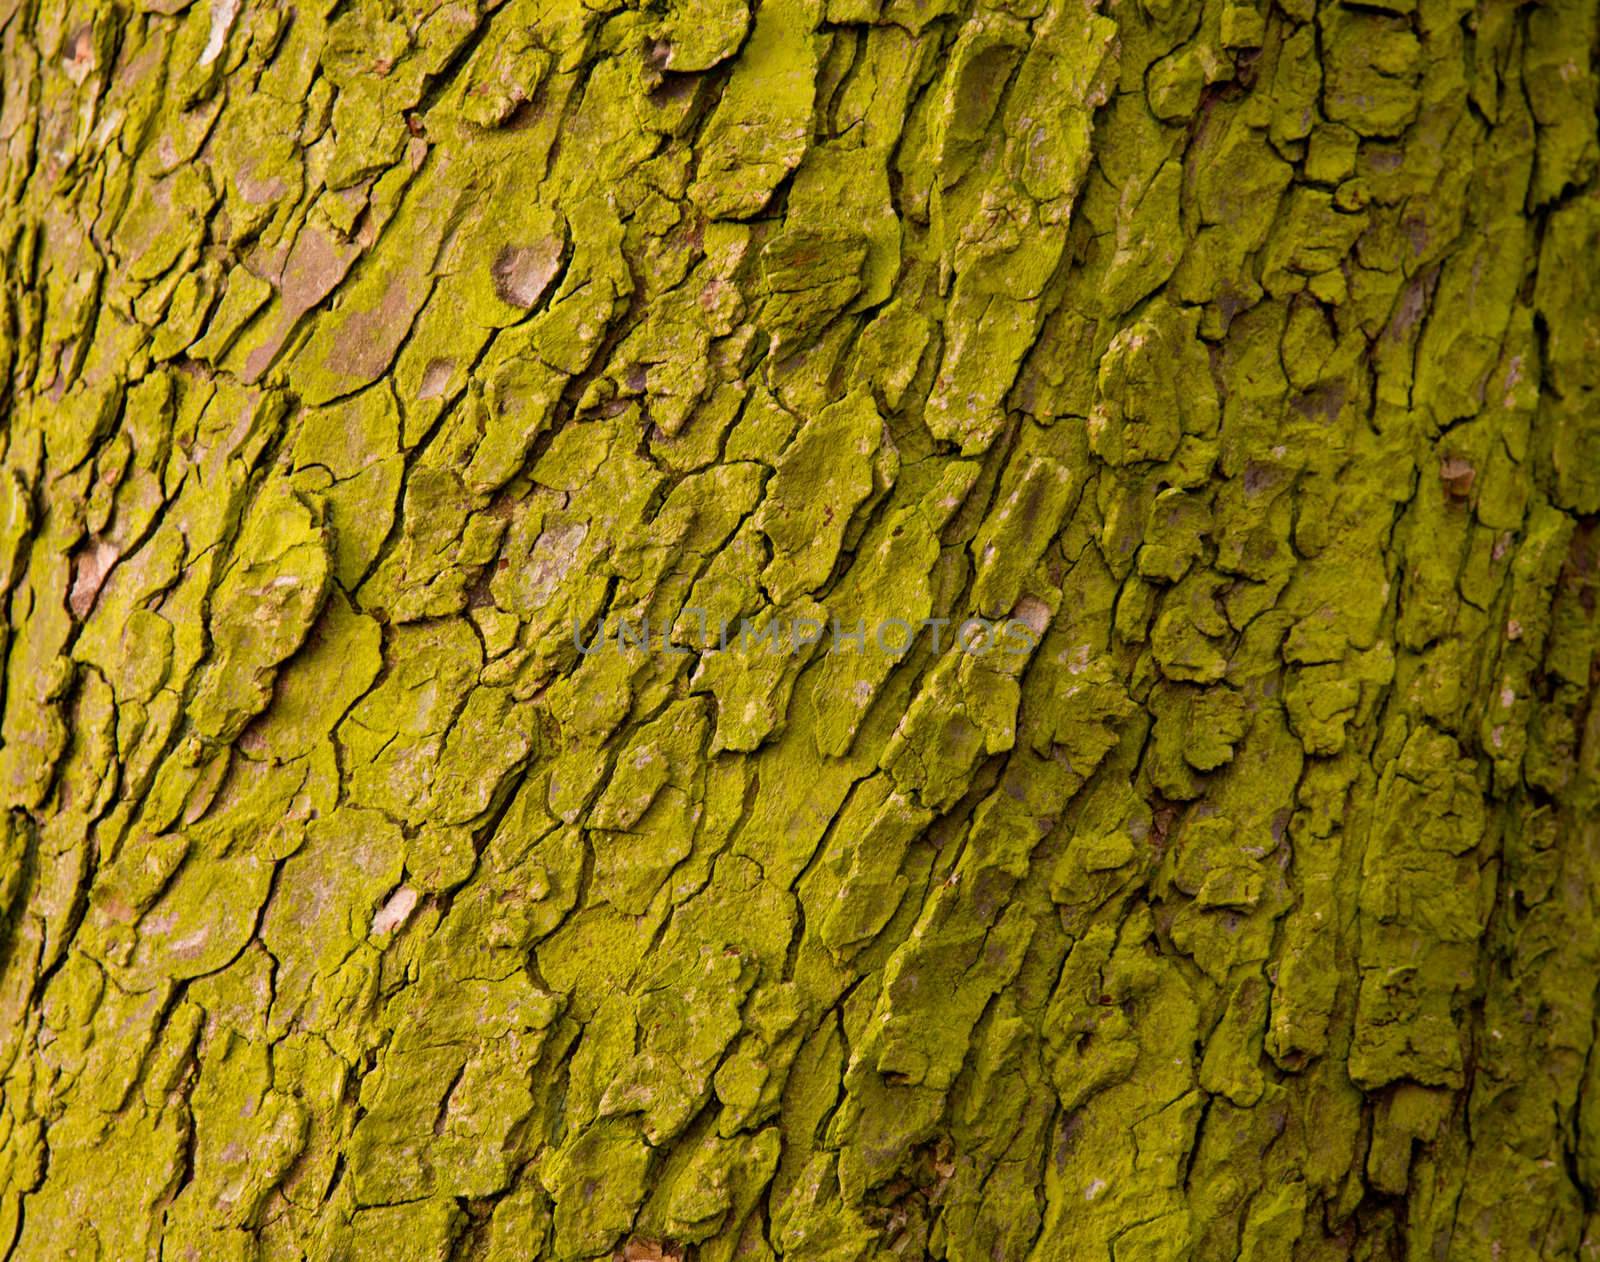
{"type": "Point", "coordinates": [361, 360]}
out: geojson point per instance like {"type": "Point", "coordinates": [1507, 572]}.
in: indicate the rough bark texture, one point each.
{"type": "Point", "coordinates": [1249, 359]}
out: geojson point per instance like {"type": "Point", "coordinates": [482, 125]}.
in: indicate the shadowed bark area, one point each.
{"type": "Point", "coordinates": [467, 470]}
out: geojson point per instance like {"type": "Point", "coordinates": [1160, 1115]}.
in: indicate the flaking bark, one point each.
{"type": "Point", "coordinates": [365, 366]}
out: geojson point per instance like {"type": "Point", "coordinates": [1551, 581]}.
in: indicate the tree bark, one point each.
{"type": "Point", "coordinates": [469, 472]}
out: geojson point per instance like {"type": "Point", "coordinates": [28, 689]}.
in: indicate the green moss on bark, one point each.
{"type": "Point", "coordinates": [365, 894]}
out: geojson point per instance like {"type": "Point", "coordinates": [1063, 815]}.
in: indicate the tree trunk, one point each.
{"type": "Point", "coordinates": [471, 471]}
